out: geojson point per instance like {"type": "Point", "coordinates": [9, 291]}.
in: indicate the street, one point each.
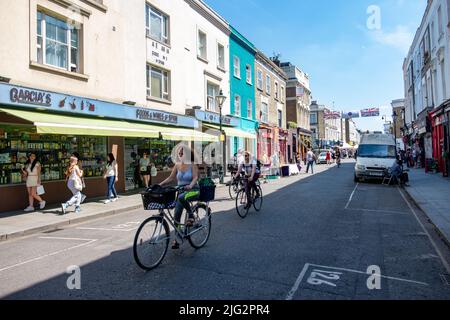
{"type": "Point", "coordinates": [315, 238]}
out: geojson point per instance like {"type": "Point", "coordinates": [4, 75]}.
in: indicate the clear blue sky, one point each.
{"type": "Point", "coordinates": [348, 63]}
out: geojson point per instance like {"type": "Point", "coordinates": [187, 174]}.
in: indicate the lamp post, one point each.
{"type": "Point", "coordinates": [220, 101]}
{"type": "Point", "coordinates": [394, 120]}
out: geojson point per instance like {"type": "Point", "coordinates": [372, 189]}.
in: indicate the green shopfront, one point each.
{"type": "Point", "coordinates": [54, 125]}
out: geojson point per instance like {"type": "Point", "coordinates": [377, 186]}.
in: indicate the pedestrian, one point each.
{"type": "Point", "coordinates": [328, 157]}
{"type": "Point", "coordinates": [32, 173]}
{"type": "Point", "coordinates": [80, 166]}
{"type": "Point", "coordinates": [112, 176]}
{"type": "Point", "coordinates": [338, 157]}
{"type": "Point", "coordinates": [75, 185]}
{"type": "Point", "coordinates": [145, 169]}
{"type": "Point", "coordinates": [414, 157]}
{"type": "Point", "coordinates": [310, 158]}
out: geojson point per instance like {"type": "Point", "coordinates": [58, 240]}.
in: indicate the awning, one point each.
{"type": "Point", "coordinates": [233, 132]}
{"type": "Point", "coordinates": [59, 124]}
{"type": "Point", "coordinates": [177, 134]}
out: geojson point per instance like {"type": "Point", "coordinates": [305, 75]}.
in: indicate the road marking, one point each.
{"type": "Point", "coordinates": [294, 289]}
{"type": "Point", "coordinates": [62, 238]}
{"type": "Point", "coordinates": [380, 211]}
{"type": "Point", "coordinates": [50, 254]}
{"type": "Point", "coordinates": [107, 229]}
{"type": "Point", "coordinates": [444, 262]}
{"type": "Point", "coordinates": [351, 196]}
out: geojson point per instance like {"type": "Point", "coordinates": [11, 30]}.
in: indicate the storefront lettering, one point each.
{"type": "Point", "coordinates": [30, 97]}
{"type": "Point", "coordinates": [84, 105]}
{"type": "Point", "coordinates": [156, 116]}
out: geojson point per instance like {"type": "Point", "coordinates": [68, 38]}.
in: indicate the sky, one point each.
{"type": "Point", "coordinates": [353, 50]}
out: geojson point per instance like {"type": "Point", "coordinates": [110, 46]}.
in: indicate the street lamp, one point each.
{"type": "Point", "coordinates": [394, 120]}
{"type": "Point", "coordinates": [220, 101]}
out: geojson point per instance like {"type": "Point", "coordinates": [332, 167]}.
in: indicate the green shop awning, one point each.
{"type": "Point", "coordinates": [233, 132]}
{"type": "Point", "coordinates": [177, 134]}
{"type": "Point", "coordinates": [59, 124]}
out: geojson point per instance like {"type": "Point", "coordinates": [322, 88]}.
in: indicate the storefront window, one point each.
{"type": "Point", "coordinates": [52, 151]}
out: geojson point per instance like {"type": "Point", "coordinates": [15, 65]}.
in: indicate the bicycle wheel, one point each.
{"type": "Point", "coordinates": [198, 234]}
{"type": "Point", "coordinates": [151, 243]}
{"type": "Point", "coordinates": [233, 190]}
{"type": "Point", "coordinates": [241, 204]}
{"type": "Point", "coordinates": [258, 202]}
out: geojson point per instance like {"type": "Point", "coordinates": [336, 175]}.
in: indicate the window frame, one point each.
{"type": "Point", "coordinates": [165, 82]}
{"type": "Point", "coordinates": [258, 73]}
{"type": "Point", "coordinates": [216, 92]}
{"type": "Point", "coordinates": [248, 74]}
{"type": "Point", "coordinates": [237, 67]}
{"type": "Point", "coordinates": [268, 84]}
{"type": "Point", "coordinates": [280, 118]}
{"type": "Point", "coordinates": [276, 88]}
{"type": "Point", "coordinates": [240, 105]}
{"type": "Point", "coordinates": [219, 66]}
{"type": "Point", "coordinates": [249, 109]}
{"type": "Point", "coordinates": [165, 24]}
{"type": "Point", "coordinates": [199, 33]}
{"type": "Point", "coordinates": [264, 115]}
{"type": "Point", "coordinates": [283, 94]}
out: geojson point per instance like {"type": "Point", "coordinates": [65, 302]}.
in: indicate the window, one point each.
{"type": "Point", "coordinates": [277, 94]}
{"type": "Point", "coordinates": [158, 83]}
{"type": "Point", "coordinates": [440, 29]}
{"type": "Point", "coordinates": [268, 85]}
{"type": "Point", "coordinates": [259, 80]}
{"type": "Point", "coordinates": [280, 119]}
{"type": "Point", "coordinates": [248, 74]}
{"type": "Point", "coordinates": [237, 67]}
{"type": "Point", "coordinates": [212, 92]}
{"type": "Point", "coordinates": [157, 25]}
{"type": "Point", "coordinates": [264, 113]}
{"type": "Point", "coordinates": [313, 118]}
{"type": "Point", "coordinates": [58, 43]}
{"type": "Point", "coordinates": [249, 109]}
{"type": "Point", "coordinates": [282, 94]}
{"type": "Point", "coordinates": [237, 105]}
{"type": "Point", "coordinates": [202, 45]}
{"type": "Point", "coordinates": [221, 56]}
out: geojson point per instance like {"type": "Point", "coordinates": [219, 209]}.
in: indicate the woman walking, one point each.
{"type": "Point", "coordinates": [112, 176]}
{"type": "Point", "coordinates": [32, 173]}
{"type": "Point", "coordinates": [75, 185]}
{"type": "Point", "coordinates": [145, 167]}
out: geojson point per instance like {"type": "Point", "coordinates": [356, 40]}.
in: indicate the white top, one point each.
{"type": "Point", "coordinates": [73, 174]}
{"type": "Point", "coordinates": [248, 167]}
{"type": "Point", "coordinates": [310, 156]}
{"type": "Point", "coordinates": [34, 172]}
{"type": "Point", "coordinates": [110, 169]}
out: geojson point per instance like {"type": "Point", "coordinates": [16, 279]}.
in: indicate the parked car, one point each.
{"type": "Point", "coordinates": [322, 158]}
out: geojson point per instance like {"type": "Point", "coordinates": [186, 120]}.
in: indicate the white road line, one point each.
{"type": "Point", "coordinates": [351, 196]}
{"type": "Point", "coordinates": [106, 229]}
{"type": "Point", "coordinates": [444, 262]}
{"type": "Point", "coordinates": [380, 211]}
{"type": "Point", "coordinates": [294, 289]}
{"type": "Point", "coordinates": [62, 238]}
{"type": "Point", "coordinates": [48, 255]}
{"type": "Point", "coordinates": [361, 272]}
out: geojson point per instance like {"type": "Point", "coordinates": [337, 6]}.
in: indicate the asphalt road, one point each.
{"type": "Point", "coordinates": [314, 239]}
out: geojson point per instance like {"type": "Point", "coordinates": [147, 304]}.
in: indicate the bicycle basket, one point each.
{"type": "Point", "coordinates": [207, 193]}
{"type": "Point", "coordinates": [160, 196]}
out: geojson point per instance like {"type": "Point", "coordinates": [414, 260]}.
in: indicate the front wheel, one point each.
{"type": "Point", "coordinates": [258, 201]}
{"type": "Point", "coordinates": [151, 243]}
{"type": "Point", "coordinates": [198, 234]}
{"type": "Point", "coordinates": [242, 206]}
{"type": "Point", "coordinates": [233, 190]}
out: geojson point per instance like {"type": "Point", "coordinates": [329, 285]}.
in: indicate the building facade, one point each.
{"type": "Point", "coordinates": [270, 92]}
{"type": "Point", "coordinates": [325, 126]}
{"type": "Point", "coordinates": [427, 87]}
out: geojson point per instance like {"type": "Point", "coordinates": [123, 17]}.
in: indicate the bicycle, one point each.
{"type": "Point", "coordinates": [152, 238]}
{"type": "Point", "coordinates": [234, 186]}
{"type": "Point", "coordinates": [242, 203]}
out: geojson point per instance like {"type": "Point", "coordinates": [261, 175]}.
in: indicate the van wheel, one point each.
{"type": "Point", "coordinates": [356, 179]}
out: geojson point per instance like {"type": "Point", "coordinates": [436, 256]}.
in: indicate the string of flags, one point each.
{"type": "Point", "coordinates": [365, 113]}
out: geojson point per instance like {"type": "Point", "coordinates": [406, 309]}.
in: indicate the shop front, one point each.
{"type": "Point", "coordinates": [305, 142]}
{"type": "Point", "coordinates": [54, 126]}
{"type": "Point", "coordinates": [439, 129]}
{"type": "Point", "coordinates": [422, 137]}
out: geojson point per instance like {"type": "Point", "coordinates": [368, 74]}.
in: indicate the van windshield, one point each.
{"type": "Point", "coordinates": [376, 151]}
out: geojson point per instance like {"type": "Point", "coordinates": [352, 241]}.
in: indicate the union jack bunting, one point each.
{"type": "Point", "coordinates": [371, 112]}
{"type": "Point", "coordinates": [331, 115]}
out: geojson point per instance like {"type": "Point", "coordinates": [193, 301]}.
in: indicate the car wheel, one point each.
{"type": "Point", "coordinates": [356, 179]}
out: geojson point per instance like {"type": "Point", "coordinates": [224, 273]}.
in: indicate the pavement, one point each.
{"type": "Point", "coordinates": [19, 224]}
{"type": "Point", "coordinates": [431, 193]}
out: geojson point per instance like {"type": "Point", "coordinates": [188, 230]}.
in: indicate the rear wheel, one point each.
{"type": "Point", "coordinates": [151, 243]}
{"type": "Point", "coordinates": [258, 201]}
{"type": "Point", "coordinates": [198, 234]}
{"type": "Point", "coordinates": [241, 204]}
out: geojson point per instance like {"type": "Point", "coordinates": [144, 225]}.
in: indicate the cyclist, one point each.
{"type": "Point", "coordinates": [186, 174]}
{"type": "Point", "coordinates": [250, 167]}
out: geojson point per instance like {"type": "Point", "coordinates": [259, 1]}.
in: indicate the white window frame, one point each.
{"type": "Point", "coordinates": [75, 68]}
{"type": "Point", "coordinates": [237, 67]}
{"type": "Point", "coordinates": [264, 115]}
{"type": "Point", "coordinates": [277, 88]}
{"type": "Point", "coordinates": [200, 31]}
{"type": "Point", "coordinates": [248, 74]}
{"type": "Point", "coordinates": [249, 109]}
{"type": "Point", "coordinates": [165, 24]}
{"type": "Point", "coordinates": [268, 84]}
{"type": "Point", "coordinates": [165, 82]}
{"type": "Point", "coordinates": [283, 93]}
{"type": "Point", "coordinates": [211, 100]}
{"type": "Point", "coordinates": [280, 118]}
{"type": "Point", "coordinates": [260, 80]}
{"type": "Point", "coordinates": [221, 67]}
{"type": "Point", "coordinates": [237, 107]}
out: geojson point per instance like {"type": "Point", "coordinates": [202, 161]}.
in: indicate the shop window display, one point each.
{"type": "Point", "coordinates": [53, 152]}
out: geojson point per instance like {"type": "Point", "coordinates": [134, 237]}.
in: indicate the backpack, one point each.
{"type": "Point", "coordinates": [258, 164]}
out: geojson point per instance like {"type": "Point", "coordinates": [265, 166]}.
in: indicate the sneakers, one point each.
{"type": "Point", "coordinates": [107, 201]}
{"type": "Point", "coordinates": [42, 205]}
{"type": "Point", "coordinates": [115, 199]}
{"type": "Point", "coordinates": [64, 207]}
{"type": "Point", "coordinates": [83, 197]}
{"type": "Point", "coordinates": [29, 209]}
{"type": "Point", "coordinates": [78, 209]}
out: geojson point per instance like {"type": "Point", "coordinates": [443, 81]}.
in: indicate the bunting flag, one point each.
{"type": "Point", "coordinates": [371, 112]}
{"type": "Point", "coordinates": [350, 115]}
{"type": "Point", "coordinates": [327, 115]}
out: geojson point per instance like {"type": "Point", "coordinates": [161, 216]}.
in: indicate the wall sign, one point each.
{"type": "Point", "coordinates": [214, 118]}
{"type": "Point", "coordinates": [158, 53]}
{"type": "Point", "coordinates": [28, 98]}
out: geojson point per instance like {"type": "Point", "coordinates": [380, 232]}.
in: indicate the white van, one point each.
{"type": "Point", "coordinates": [375, 154]}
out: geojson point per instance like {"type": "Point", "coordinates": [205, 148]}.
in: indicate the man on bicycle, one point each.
{"type": "Point", "coordinates": [250, 168]}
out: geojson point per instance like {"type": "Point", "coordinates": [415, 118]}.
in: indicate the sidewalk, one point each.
{"type": "Point", "coordinates": [431, 192]}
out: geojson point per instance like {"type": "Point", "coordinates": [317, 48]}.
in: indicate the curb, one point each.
{"type": "Point", "coordinates": [441, 235]}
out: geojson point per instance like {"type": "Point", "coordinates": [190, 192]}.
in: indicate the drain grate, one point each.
{"type": "Point", "coordinates": [446, 279]}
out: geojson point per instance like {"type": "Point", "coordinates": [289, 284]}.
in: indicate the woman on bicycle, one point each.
{"type": "Point", "coordinates": [252, 172]}
{"type": "Point", "coordinates": [185, 172]}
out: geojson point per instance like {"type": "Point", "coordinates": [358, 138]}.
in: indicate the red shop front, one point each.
{"type": "Point", "coordinates": [438, 138]}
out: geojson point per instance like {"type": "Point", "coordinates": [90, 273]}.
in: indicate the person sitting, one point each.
{"type": "Point", "coordinates": [186, 174]}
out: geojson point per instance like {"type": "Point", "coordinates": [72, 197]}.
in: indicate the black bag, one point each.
{"type": "Point", "coordinates": [159, 195]}
{"type": "Point", "coordinates": [207, 190]}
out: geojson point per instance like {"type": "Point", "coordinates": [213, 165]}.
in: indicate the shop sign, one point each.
{"type": "Point", "coordinates": [159, 54]}
{"type": "Point", "coordinates": [211, 117]}
{"type": "Point", "coordinates": [25, 96]}
{"type": "Point", "coordinates": [152, 115]}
